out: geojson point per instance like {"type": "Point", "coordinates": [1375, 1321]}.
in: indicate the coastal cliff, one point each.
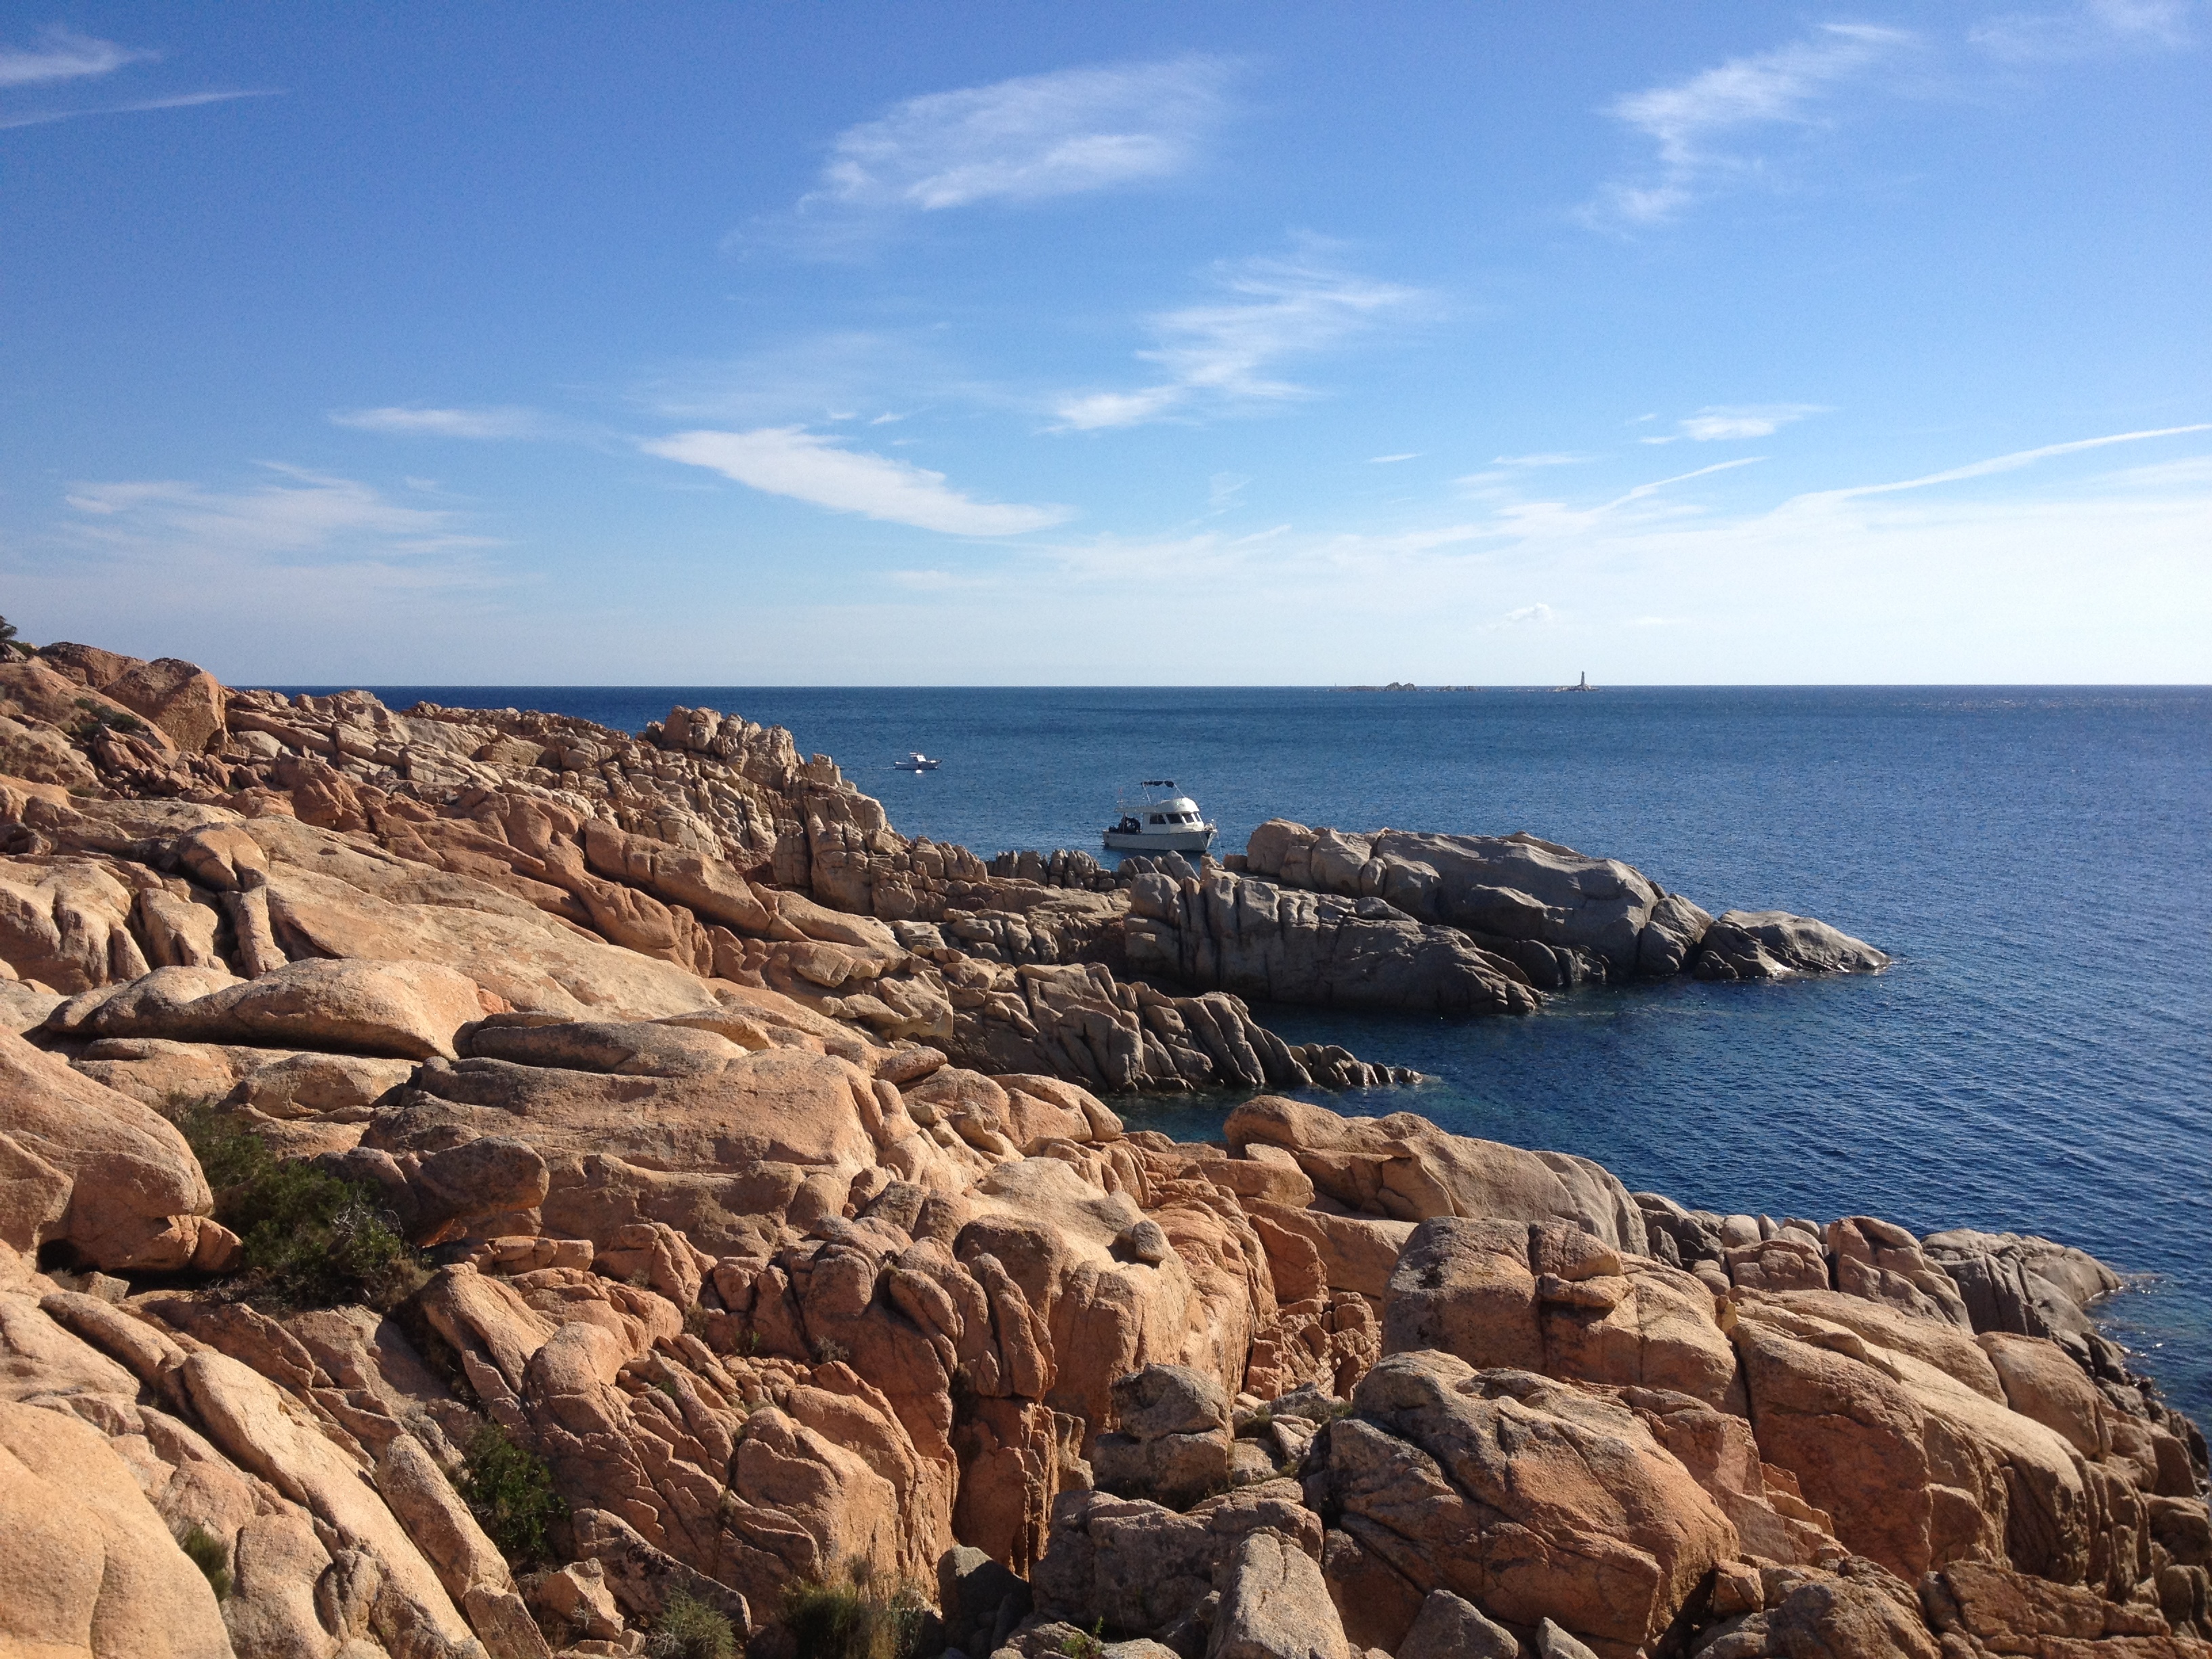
{"type": "Point", "coordinates": [476, 1182]}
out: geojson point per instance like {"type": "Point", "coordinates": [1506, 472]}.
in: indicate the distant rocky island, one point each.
{"type": "Point", "coordinates": [477, 1182]}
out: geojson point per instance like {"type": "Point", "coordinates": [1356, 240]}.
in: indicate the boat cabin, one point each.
{"type": "Point", "coordinates": [1160, 822]}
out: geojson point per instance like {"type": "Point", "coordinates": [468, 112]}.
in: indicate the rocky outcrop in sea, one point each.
{"type": "Point", "coordinates": [474, 1182]}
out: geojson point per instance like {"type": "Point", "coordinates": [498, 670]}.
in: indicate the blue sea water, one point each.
{"type": "Point", "coordinates": [2039, 1058]}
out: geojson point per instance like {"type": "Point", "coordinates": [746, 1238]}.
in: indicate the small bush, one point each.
{"type": "Point", "coordinates": [97, 717]}
{"type": "Point", "coordinates": [852, 1617]}
{"type": "Point", "coordinates": [210, 1555]}
{"type": "Point", "coordinates": [689, 1629]}
{"type": "Point", "coordinates": [510, 1490]}
{"type": "Point", "coordinates": [311, 1239]}
{"type": "Point", "coordinates": [1084, 1644]}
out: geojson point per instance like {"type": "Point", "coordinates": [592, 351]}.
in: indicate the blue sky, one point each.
{"type": "Point", "coordinates": [1135, 344]}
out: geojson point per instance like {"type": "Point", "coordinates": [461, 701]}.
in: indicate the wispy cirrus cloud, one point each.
{"type": "Point", "coordinates": [504, 421]}
{"type": "Point", "coordinates": [1718, 422]}
{"type": "Point", "coordinates": [1019, 142]}
{"type": "Point", "coordinates": [808, 467]}
{"type": "Point", "coordinates": [62, 57]}
{"type": "Point", "coordinates": [296, 514]}
{"type": "Point", "coordinates": [2010, 463]}
{"type": "Point", "coordinates": [1225, 354]}
{"type": "Point", "coordinates": [183, 100]}
{"type": "Point", "coordinates": [1696, 127]}
{"type": "Point", "coordinates": [60, 54]}
{"type": "Point", "coordinates": [333, 566]}
{"type": "Point", "coordinates": [1553, 457]}
{"type": "Point", "coordinates": [2088, 30]}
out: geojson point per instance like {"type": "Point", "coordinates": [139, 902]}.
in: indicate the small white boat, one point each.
{"type": "Point", "coordinates": [916, 762]}
{"type": "Point", "coordinates": [1155, 823]}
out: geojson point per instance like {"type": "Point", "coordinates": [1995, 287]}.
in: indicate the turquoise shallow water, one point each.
{"type": "Point", "coordinates": [2039, 1058]}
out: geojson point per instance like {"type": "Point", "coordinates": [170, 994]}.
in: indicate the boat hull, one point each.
{"type": "Point", "coordinates": [1159, 841]}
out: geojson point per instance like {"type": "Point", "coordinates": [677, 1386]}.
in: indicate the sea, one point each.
{"type": "Point", "coordinates": [2039, 1057]}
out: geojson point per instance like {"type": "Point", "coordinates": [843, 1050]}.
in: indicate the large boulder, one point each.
{"type": "Point", "coordinates": [780, 1107]}
{"type": "Point", "coordinates": [408, 1010]}
{"type": "Point", "coordinates": [1921, 1469]}
{"type": "Point", "coordinates": [1139, 1569]}
{"type": "Point", "coordinates": [329, 896]}
{"type": "Point", "coordinates": [65, 922]}
{"type": "Point", "coordinates": [1551, 1297]}
{"type": "Point", "coordinates": [1258, 939]}
{"type": "Point", "coordinates": [1404, 1167]}
{"type": "Point", "coordinates": [1858, 1610]}
{"type": "Point", "coordinates": [182, 698]}
{"type": "Point", "coordinates": [1275, 1604]}
{"type": "Point", "coordinates": [38, 754]}
{"type": "Point", "coordinates": [1545, 915]}
{"type": "Point", "coordinates": [92, 1571]}
{"type": "Point", "coordinates": [265, 1429]}
{"type": "Point", "coordinates": [1172, 1438]}
{"type": "Point", "coordinates": [83, 1164]}
{"type": "Point", "coordinates": [36, 692]}
{"type": "Point", "coordinates": [2018, 1283]}
{"type": "Point", "coordinates": [1529, 1497]}
{"type": "Point", "coordinates": [1747, 944]}
{"type": "Point", "coordinates": [1452, 1627]}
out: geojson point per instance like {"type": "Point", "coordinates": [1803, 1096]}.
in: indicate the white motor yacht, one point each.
{"type": "Point", "coordinates": [1152, 821]}
{"type": "Point", "coordinates": [917, 762]}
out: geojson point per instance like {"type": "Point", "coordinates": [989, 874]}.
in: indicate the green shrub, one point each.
{"type": "Point", "coordinates": [210, 1555]}
{"type": "Point", "coordinates": [510, 1490]}
{"type": "Point", "coordinates": [97, 717]}
{"type": "Point", "coordinates": [689, 1629]}
{"type": "Point", "coordinates": [851, 1617]}
{"type": "Point", "coordinates": [311, 1239]}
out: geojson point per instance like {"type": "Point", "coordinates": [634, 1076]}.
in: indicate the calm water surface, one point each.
{"type": "Point", "coordinates": [2034, 858]}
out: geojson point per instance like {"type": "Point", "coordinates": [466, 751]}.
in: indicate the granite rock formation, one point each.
{"type": "Point", "coordinates": [753, 1177]}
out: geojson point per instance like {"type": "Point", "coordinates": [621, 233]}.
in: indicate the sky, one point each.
{"type": "Point", "coordinates": [1167, 344]}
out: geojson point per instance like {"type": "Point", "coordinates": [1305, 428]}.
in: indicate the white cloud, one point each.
{"type": "Point", "coordinates": [1391, 460]}
{"type": "Point", "coordinates": [1716, 423]}
{"type": "Point", "coordinates": [1222, 355]}
{"type": "Point", "coordinates": [1652, 488]}
{"type": "Point", "coordinates": [496, 422]}
{"type": "Point", "coordinates": [2100, 581]}
{"type": "Point", "coordinates": [325, 576]}
{"type": "Point", "coordinates": [1222, 488]}
{"type": "Point", "coordinates": [1018, 143]}
{"type": "Point", "coordinates": [1561, 458]}
{"type": "Point", "coordinates": [185, 100]}
{"type": "Point", "coordinates": [64, 54]}
{"type": "Point", "coordinates": [303, 514]}
{"type": "Point", "coordinates": [1690, 122]}
{"type": "Point", "coordinates": [792, 461]}
{"type": "Point", "coordinates": [875, 375]}
{"type": "Point", "coordinates": [2090, 29]}
{"type": "Point", "coordinates": [1527, 615]}
{"type": "Point", "coordinates": [1091, 411]}
{"type": "Point", "coordinates": [2011, 462]}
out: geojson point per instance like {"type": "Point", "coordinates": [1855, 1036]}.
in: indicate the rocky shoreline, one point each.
{"type": "Point", "coordinates": [472, 1182]}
